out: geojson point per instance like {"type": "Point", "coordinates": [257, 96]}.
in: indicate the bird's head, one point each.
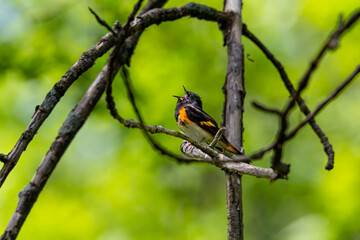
{"type": "Point", "coordinates": [189, 98]}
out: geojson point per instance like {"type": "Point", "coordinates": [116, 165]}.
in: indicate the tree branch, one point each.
{"type": "Point", "coordinates": [102, 22]}
{"type": "Point", "coordinates": [234, 91]}
{"type": "Point", "coordinates": [88, 58]}
{"type": "Point", "coordinates": [267, 109]}
{"type": "Point", "coordinates": [159, 15]}
{"type": "Point", "coordinates": [225, 162]}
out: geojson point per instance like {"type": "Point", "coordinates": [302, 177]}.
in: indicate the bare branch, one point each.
{"type": "Point", "coordinates": [71, 126]}
{"type": "Point", "coordinates": [102, 22]}
{"type": "Point", "coordinates": [289, 86]}
{"type": "Point", "coordinates": [135, 11]}
{"type": "Point", "coordinates": [226, 163]}
{"type": "Point", "coordinates": [321, 105]}
{"type": "Point", "coordinates": [52, 98]}
{"type": "Point", "coordinates": [159, 15]}
{"type": "Point", "coordinates": [331, 43]}
{"type": "Point", "coordinates": [267, 109]}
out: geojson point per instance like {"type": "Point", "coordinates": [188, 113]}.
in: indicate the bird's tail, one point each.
{"type": "Point", "coordinates": [224, 143]}
{"type": "Point", "coordinates": [233, 149]}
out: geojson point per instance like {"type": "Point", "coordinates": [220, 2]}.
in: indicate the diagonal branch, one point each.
{"type": "Point", "coordinates": [52, 98]}
{"type": "Point", "coordinates": [267, 109]}
{"type": "Point", "coordinates": [73, 123]}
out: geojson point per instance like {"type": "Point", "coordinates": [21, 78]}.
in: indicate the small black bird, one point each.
{"type": "Point", "coordinates": [197, 124]}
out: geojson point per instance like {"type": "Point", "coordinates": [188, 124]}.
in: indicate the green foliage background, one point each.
{"type": "Point", "coordinates": [111, 184]}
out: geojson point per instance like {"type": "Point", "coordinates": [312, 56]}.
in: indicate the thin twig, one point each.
{"type": "Point", "coordinates": [331, 43]}
{"type": "Point", "coordinates": [132, 16]}
{"type": "Point", "coordinates": [102, 21]}
{"type": "Point", "coordinates": [125, 76]}
{"type": "Point", "coordinates": [135, 11]}
{"type": "Point", "coordinates": [217, 137]}
{"type": "Point", "coordinates": [326, 101]}
{"type": "Point", "coordinates": [267, 109]}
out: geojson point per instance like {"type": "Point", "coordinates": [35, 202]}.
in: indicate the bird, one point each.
{"type": "Point", "coordinates": [197, 124]}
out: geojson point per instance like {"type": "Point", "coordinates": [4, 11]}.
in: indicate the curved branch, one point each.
{"type": "Point", "coordinates": [88, 58]}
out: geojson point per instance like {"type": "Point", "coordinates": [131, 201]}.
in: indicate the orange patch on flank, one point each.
{"type": "Point", "coordinates": [208, 123]}
{"type": "Point", "coordinates": [182, 115]}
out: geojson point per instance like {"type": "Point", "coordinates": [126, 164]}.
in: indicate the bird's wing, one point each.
{"type": "Point", "coordinates": [202, 119]}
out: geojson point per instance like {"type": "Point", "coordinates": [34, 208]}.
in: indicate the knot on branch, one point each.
{"type": "Point", "coordinates": [282, 170]}
{"type": "Point", "coordinates": [3, 158]}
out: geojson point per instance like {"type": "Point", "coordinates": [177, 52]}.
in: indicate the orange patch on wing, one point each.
{"type": "Point", "coordinates": [182, 115]}
{"type": "Point", "coordinates": [208, 123]}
